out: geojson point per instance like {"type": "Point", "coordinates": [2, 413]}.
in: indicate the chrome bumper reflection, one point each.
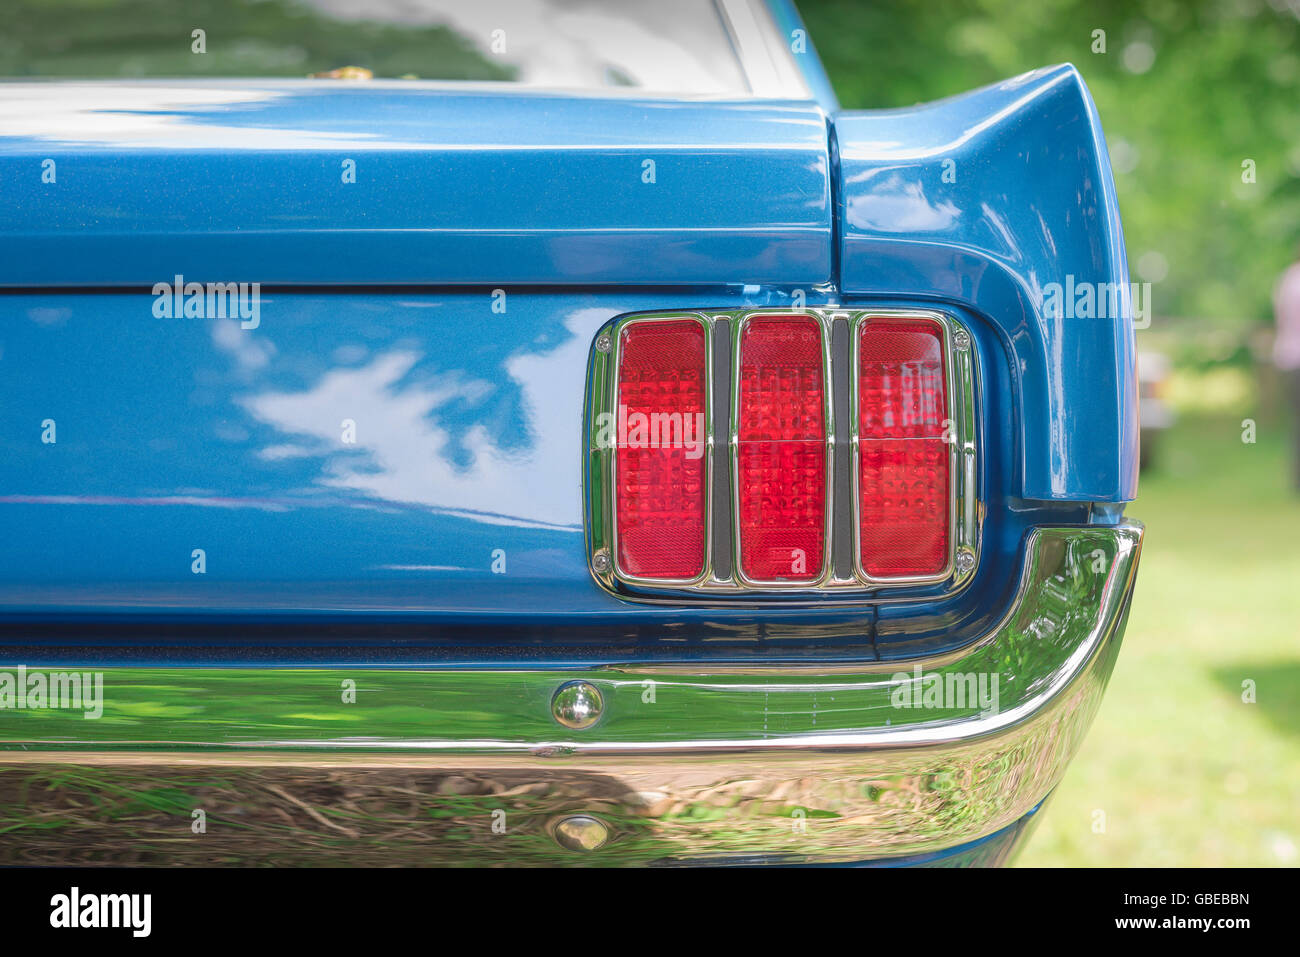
{"type": "Point", "coordinates": [428, 767]}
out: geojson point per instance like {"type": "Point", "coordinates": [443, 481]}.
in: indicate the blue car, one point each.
{"type": "Point", "coordinates": [549, 435]}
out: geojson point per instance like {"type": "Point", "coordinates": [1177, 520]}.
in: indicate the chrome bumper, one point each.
{"type": "Point", "coordinates": [810, 764]}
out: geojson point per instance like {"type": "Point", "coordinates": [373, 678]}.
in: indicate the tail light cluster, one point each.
{"type": "Point", "coordinates": [670, 508]}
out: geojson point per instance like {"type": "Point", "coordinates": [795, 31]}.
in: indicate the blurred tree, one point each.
{"type": "Point", "coordinates": [1188, 91]}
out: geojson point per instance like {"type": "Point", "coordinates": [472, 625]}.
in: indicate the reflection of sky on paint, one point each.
{"type": "Point", "coordinates": [241, 116]}
{"type": "Point", "coordinates": [171, 114]}
{"type": "Point", "coordinates": [175, 434]}
{"type": "Point", "coordinates": [890, 202]}
{"type": "Point", "coordinates": [407, 451]}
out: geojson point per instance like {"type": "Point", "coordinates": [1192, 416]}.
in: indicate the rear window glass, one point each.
{"type": "Point", "coordinates": [680, 46]}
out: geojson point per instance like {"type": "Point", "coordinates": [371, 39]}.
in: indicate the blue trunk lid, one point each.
{"type": "Point", "coordinates": [301, 182]}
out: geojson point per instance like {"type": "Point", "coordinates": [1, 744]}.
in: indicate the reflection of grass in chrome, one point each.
{"type": "Point", "coordinates": [288, 816]}
{"type": "Point", "coordinates": [1186, 773]}
{"type": "Point", "coordinates": [241, 705]}
{"type": "Point", "coordinates": [284, 816]}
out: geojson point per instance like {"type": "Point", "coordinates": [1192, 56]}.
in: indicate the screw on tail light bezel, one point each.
{"type": "Point", "coordinates": [966, 510]}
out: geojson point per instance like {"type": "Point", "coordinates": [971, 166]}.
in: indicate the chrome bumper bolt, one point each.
{"type": "Point", "coordinates": [577, 705]}
{"type": "Point", "coordinates": [580, 833]}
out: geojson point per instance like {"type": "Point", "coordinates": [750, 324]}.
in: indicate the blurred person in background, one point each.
{"type": "Point", "coordinates": [1286, 351]}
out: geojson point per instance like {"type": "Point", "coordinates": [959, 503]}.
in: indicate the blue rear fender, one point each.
{"type": "Point", "coordinates": [1002, 201]}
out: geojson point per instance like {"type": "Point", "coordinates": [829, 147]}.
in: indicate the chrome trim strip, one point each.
{"type": "Point", "coordinates": [1037, 646]}
{"type": "Point", "coordinates": [873, 777]}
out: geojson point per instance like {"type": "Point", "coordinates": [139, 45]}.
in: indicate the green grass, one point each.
{"type": "Point", "coordinates": [1184, 771]}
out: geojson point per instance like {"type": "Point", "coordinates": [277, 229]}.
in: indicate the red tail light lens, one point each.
{"type": "Point", "coordinates": [660, 463]}
{"type": "Point", "coordinates": [781, 455]}
{"type": "Point", "coordinates": [903, 460]}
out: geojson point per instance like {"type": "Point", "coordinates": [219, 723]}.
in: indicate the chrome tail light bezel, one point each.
{"type": "Point", "coordinates": [838, 581]}
{"type": "Point", "coordinates": [959, 392]}
{"type": "Point", "coordinates": [826, 572]}
{"type": "Point", "coordinates": [605, 471]}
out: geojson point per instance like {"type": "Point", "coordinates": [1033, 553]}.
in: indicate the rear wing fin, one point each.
{"type": "Point", "coordinates": [1002, 201]}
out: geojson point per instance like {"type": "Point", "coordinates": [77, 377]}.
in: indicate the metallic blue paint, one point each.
{"type": "Point", "coordinates": [1027, 200]}
{"type": "Point", "coordinates": [454, 184]}
{"type": "Point", "coordinates": [177, 434]}
{"type": "Point", "coordinates": [195, 433]}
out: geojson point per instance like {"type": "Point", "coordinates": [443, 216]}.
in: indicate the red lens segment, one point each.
{"type": "Point", "coordinates": [781, 454]}
{"type": "Point", "coordinates": [903, 460]}
{"type": "Point", "coordinates": [660, 463]}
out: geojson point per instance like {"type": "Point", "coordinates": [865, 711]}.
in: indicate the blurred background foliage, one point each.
{"type": "Point", "coordinates": [1179, 769]}
{"type": "Point", "coordinates": [1188, 90]}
